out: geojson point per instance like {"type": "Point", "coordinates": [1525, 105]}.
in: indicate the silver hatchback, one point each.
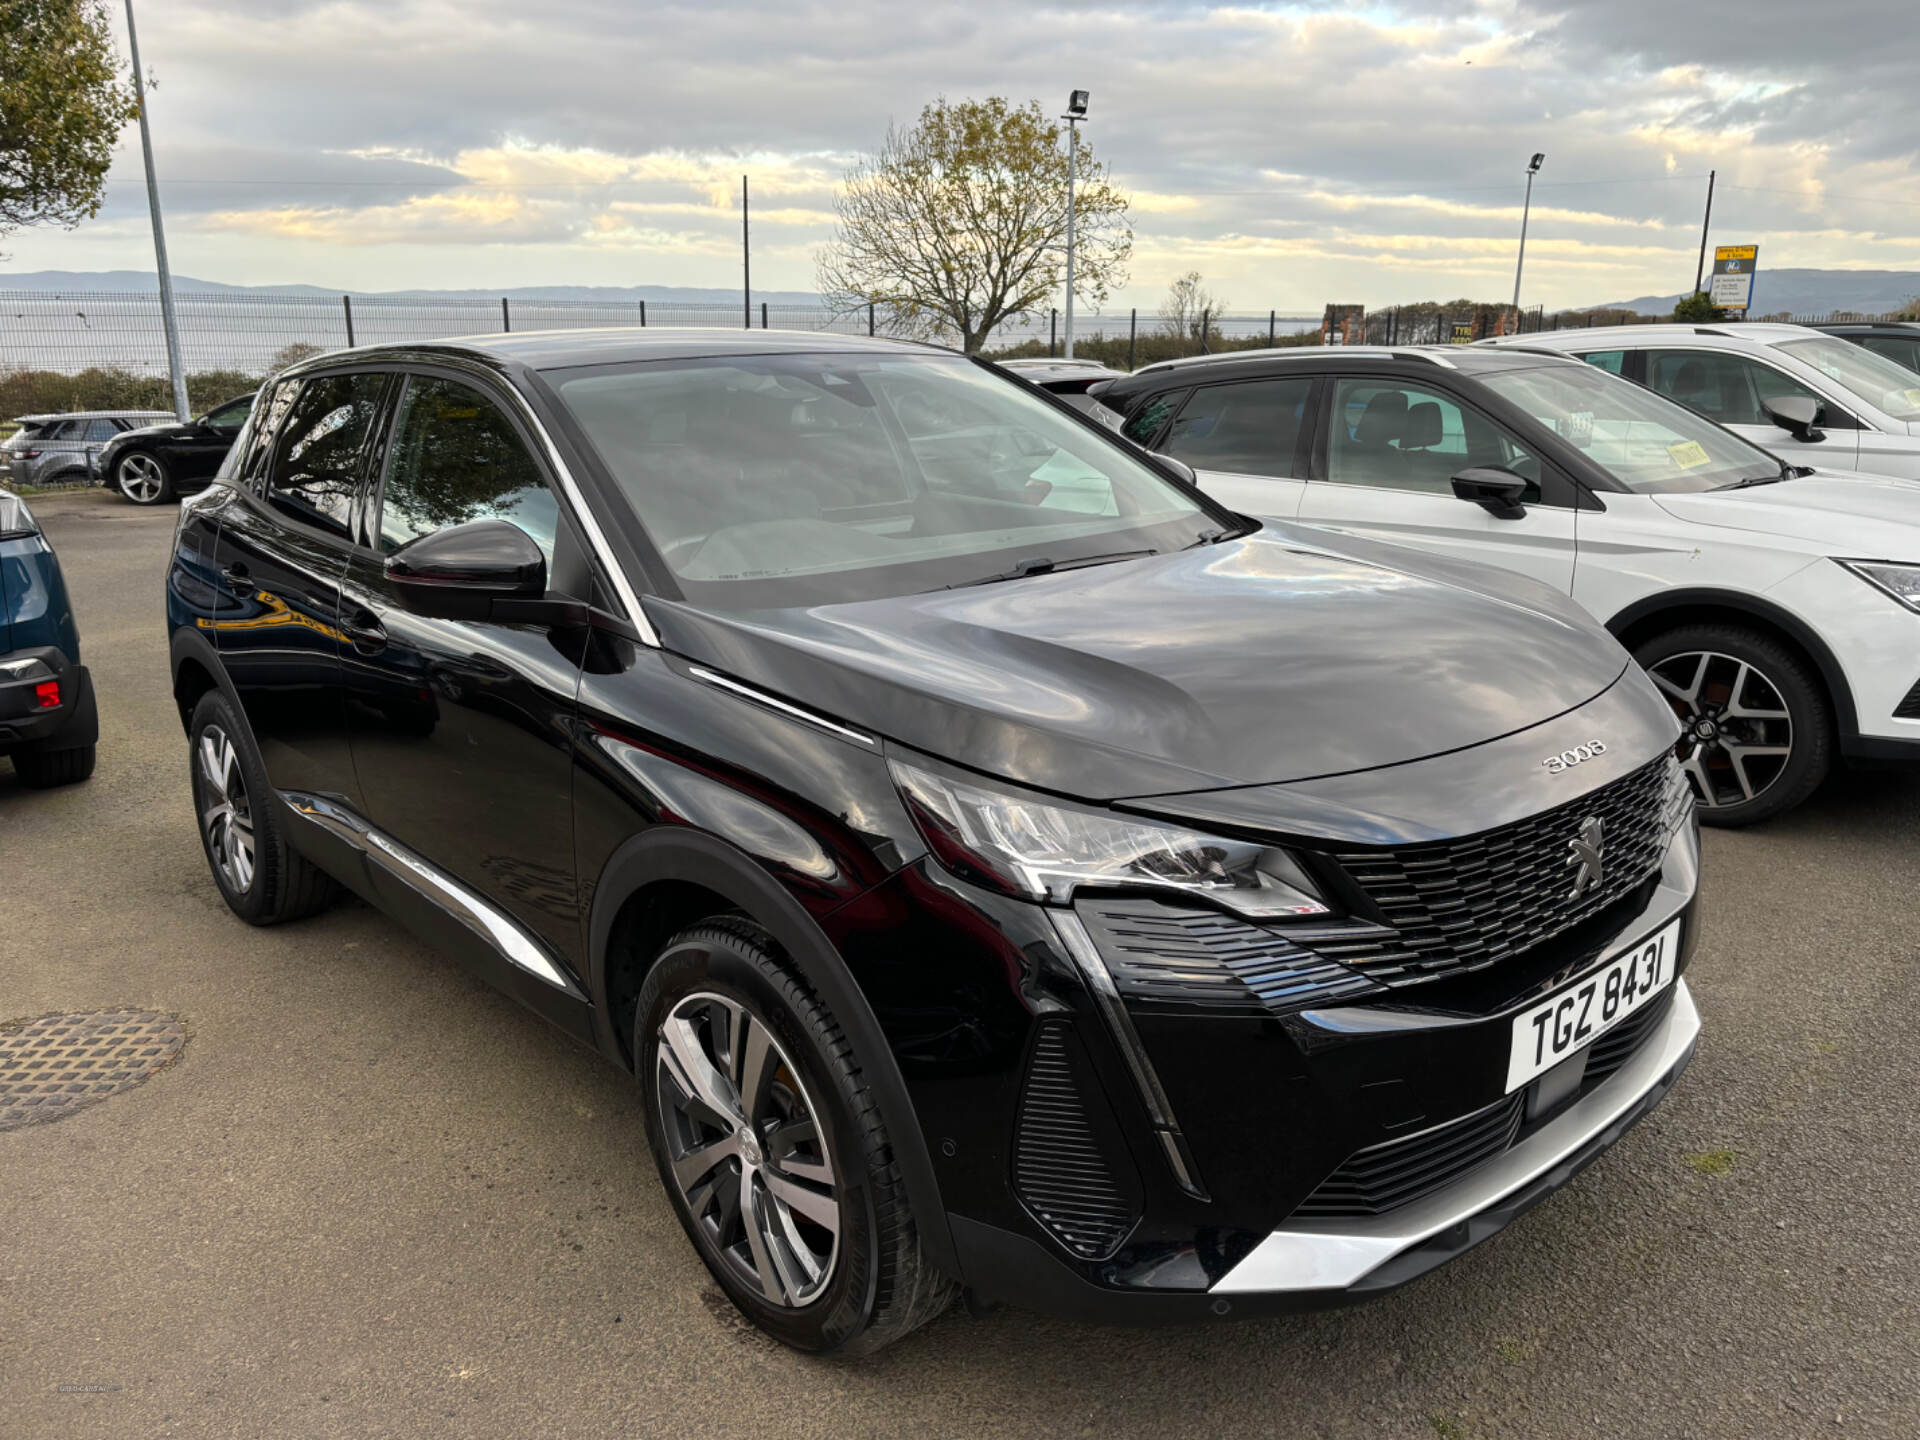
{"type": "Point", "coordinates": [56, 449]}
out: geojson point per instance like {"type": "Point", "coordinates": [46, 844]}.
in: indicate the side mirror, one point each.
{"type": "Point", "coordinates": [1501, 493]}
{"type": "Point", "coordinates": [1796, 414]}
{"type": "Point", "coordinates": [482, 570]}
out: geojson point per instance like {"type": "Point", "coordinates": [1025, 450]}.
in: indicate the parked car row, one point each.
{"type": "Point", "coordinates": [146, 456]}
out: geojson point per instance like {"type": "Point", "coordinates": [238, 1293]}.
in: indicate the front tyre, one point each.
{"type": "Point", "coordinates": [242, 826]}
{"type": "Point", "coordinates": [142, 479]}
{"type": "Point", "coordinates": [1757, 735]}
{"type": "Point", "coordinates": [44, 769]}
{"type": "Point", "coordinates": [771, 1146]}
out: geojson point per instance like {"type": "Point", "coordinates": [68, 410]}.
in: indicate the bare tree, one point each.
{"type": "Point", "coordinates": [959, 223]}
{"type": "Point", "coordinates": [1190, 305]}
{"type": "Point", "coordinates": [289, 355]}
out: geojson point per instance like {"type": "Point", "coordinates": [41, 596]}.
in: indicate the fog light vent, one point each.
{"type": "Point", "coordinates": [1909, 706]}
{"type": "Point", "coordinates": [1060, 1170]}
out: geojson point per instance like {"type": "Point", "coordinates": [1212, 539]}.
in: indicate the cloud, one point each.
{"type": "Point", "coordinates": [1294, 153]}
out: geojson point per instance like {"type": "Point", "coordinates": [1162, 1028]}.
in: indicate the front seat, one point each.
{"type": "Point", "coordinates": [1382, 422]}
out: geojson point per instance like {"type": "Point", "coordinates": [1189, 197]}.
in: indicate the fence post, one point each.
{"type": "Point", "coordinates": [1203, 330]}
{"type": "Point", "coordinates": [643, 314]}
{"type": "Point", "coordinates": [346, 304]}
{"type": "Point", "coordinates": [1270, 317]}
{"type": "Point", "coordinates": [1133, 325]}
{"type": "Point", "coordinates": [1053, 331]}
{"type": "Point", "coordinates": [870, 317]}
{"type": "Point", "coordinates": [506, 320]}
{"type": "Point", "coordinates": [763, 314]}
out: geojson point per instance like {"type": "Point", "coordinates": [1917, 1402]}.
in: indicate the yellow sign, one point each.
{"type": "Point", "coordinates": [1736, 252]}
{"type": "Point", "coordinates": [1689, 455]}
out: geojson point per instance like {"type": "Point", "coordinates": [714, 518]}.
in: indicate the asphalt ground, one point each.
{"type": "Point", "coordinates": [375, 1198]}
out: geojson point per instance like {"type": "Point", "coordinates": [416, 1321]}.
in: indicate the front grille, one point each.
{"type": "Point", "coordinates": [1205, 959]}
{"type": "Point", "coordinates": [1059, 1171]}
{"type": "Point", "coordinates": [1397, 1172]}
{"type": "Point", "coordinates": [1909, 706]}
{"type": "Point", "coordinates": [1460, 905]}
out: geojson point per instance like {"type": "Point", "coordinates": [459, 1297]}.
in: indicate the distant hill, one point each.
{"type": "Point", "coordinates": [1805, 292]}
{"type": "Point", "coordinates": [100, 281]}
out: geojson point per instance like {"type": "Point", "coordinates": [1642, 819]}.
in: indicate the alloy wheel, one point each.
{"type": "Point", "coordinates": [141, 478]}
{"type": "Point", "coordinates": [226, 815]}
{"type": "Point", "coordinates": [1738, 734]}
{"type": "Point", "coordinates": [748, 1150]}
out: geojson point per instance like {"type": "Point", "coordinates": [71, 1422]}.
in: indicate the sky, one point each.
{"type": "Point", "coordinates": [1293, 154]}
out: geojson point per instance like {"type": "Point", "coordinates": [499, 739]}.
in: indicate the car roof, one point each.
{"type": "Point", "coordinates": [1868, 327]}
{"type": "Point", "coordinates": [613, 345]}
{"type": "Point", "coordinates": [91, 415]}
{"type": "Point", "coordinates": [1041, 362]}
{"type": "Point", "coordinates": [1740, 332]}
{"type": "Point", "coordinates": [1445, 357]}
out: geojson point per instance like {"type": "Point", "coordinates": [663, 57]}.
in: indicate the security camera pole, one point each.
{"type": "Point", "coordinates": [1076, 112]}
{"type": "Point", "coordinates": [167, 319]}
{"type": "Point", "coordinates": [1533, 168]}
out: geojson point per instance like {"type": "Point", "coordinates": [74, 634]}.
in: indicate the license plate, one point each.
{"type": "Point", "coordinates": [1578, 1015]}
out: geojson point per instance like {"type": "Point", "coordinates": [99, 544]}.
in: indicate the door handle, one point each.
{"type": "Point", "coordinates": [366, 632]}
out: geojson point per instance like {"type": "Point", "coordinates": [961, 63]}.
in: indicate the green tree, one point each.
{"type": "Point", "coordinates": [1699, 309]}
{"type": "Point", "coordinates": [62, 104]}
{"type": "Point", "coordinates": [959, 223]}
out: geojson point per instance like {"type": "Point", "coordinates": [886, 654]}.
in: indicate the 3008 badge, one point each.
{"type": "Point", "coordinates": [1567, 759]}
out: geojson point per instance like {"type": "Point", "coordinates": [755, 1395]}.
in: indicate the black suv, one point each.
{"type": "Point", "coordinates": [1898, 340]}
{"type": "Point", "coordinates": [1000, 866]}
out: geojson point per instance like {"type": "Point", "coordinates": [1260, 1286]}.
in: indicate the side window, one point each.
{"type": "Point", "coordinates": [231, 416]}
{"type": "Point", "coordinates": [456, 457]}
{"type": "Point", "coordinates": [1611, 361]}
{"type": "Point", "coordinates": [67, 430]}
{"type": "Point", "coordinates": [1405, 437]}
{"type": "Point", "coordinates": [273, 410]}
{"type": "Point", "coordinates": [1897, 348]}
{"type": "Point", "coordinates": [1148, 419]}
{"type": "Point", "coordinates": [321, 447]}
{"type": "Point", "coordinates": [1249, 428]}
{"type": "Point", "coordinates": [1728, 388]}
{"type": "Point", "coordinates": [101, 430]}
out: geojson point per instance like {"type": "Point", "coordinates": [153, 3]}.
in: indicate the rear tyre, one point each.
{"type": "Point", "coordinates": [772, 1149]}
{"type": "Point", "coordinates": [1758, 735]}
{"type": "Point", "coordinates": [242, 826]}
{"type": "Point", "coordinates": [143, 479]}
{"type": "Point", "coordinates": [43, 769]}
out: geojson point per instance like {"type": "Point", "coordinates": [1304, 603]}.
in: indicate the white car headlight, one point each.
{"type": "Point", "coordinates": [1902, 582]}
{"type": "Point", "coordinates": [1045, 852]}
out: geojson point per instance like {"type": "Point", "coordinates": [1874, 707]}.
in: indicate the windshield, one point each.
{"type": "Point", "coordinates": [1645, 441]}
{"type": "Point", "coordinates": [768, 481]}
{"type": "Point", "coordinates": [1888, 387]}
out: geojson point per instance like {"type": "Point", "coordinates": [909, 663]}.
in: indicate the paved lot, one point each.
{"type": "Point", "coordinates": [374, 1198]}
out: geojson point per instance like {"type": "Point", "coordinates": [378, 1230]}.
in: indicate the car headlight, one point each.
{"type": "Point", "coordinates": [29, 669]}
{"type": "Point", "coordinates": [1044, 852]}
{"type": "Point", "coordinates": [1902, 582]}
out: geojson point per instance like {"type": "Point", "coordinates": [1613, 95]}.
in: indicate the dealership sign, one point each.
{"type": "Point", "coordinates": [1733, 267]}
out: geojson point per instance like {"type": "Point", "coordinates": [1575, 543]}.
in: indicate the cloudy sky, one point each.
{"type": "Point", "coordinates": [1294, 154]}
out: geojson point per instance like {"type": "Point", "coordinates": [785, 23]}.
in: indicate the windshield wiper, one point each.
{"type": "Point", "coordinates": [1041, 565]}
{"type": "Point", "coordinates": [1787, 472]}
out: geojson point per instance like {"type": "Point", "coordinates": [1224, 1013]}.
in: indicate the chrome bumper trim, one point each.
{"type": "Point", "coordinates": [1337, 1254]}
{"type": "Point", "coordinates": [514, 944]}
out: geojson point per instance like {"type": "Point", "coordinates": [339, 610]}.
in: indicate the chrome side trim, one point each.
{"type": "Point", "coordinates": [1086, 957]}
{"type": "Point", "coordinates": [1336, 1254]}
{"type": "Point", "coordinates": [596, 537]}
{"type": "Point", "coordinates": [514, 944]}
{"type": "Point", "coordinates": [785, 707]}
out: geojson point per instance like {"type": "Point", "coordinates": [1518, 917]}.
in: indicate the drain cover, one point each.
{"type": "Point", "coordinates": [58, 1064]}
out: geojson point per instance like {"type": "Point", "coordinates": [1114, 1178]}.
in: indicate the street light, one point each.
{"type": "Point", "coordinates": [1076, 112]}
{"type": "Point", "coordinates": [1533, 168]}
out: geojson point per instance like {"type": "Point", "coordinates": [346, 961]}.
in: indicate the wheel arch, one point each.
{"type": "Point", "coordinates": [1670, 609]}
{"type": "Point", "coordinates": [656, 880]}
{"type": "Point", "coordinates": [196, 670]}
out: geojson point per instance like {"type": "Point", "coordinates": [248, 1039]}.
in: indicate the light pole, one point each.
{"type": "Point", "coordinates": [1076, 112]}
{"type": "Point", "coordinates": [1533, 168]}
{"type": "Point", "coordinates": [167, 318]}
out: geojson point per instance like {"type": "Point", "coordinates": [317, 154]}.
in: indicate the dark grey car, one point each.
{"type": "Point", "coordinates": [51, 449]}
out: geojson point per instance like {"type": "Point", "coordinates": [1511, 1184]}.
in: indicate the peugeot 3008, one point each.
{"type": "Point", "coordinates": [1000, 866]}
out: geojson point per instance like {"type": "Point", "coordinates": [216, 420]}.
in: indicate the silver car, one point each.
{"type": "Point", "coordinates": [52, 449]}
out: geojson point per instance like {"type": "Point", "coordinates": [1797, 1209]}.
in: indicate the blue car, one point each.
{"type": "Point", "coordinates": [48, 723]}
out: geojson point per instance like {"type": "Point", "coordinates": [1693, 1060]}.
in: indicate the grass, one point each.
{"type": "Point", "coordinates": [1713, 1162]}
{"type": "Point", "coordinates": [1447, 1428]}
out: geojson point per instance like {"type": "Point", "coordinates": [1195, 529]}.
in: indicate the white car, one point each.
{"type": "Point", "coordinates": [1777, 606]}
{"type": "Point", "coordinates": [1866, 407]}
